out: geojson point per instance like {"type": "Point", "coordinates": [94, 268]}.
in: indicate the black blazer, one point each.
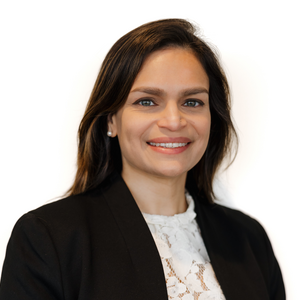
{"type": "Point", "coordinates": [97, 245]}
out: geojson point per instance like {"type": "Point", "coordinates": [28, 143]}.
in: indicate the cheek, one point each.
{"type": "Point", "coordinates": [202, 126]}
{"type": "Point", "coordinates": [207, 127]}
{"type": "Point", "coordinates": [132, 131]}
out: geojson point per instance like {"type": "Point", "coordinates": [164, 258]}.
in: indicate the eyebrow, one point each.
{"type": "Point", "coordinates": [160, 92]}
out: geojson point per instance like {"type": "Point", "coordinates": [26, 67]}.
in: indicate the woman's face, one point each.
{"type": "Point", "coordinates": [163, 127]}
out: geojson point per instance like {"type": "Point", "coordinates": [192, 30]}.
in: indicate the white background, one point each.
{"type": "Point", "coordinates": [50, 55]}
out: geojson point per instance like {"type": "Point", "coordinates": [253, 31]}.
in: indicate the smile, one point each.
{"type": "Point", "coordinates": [168, 145]}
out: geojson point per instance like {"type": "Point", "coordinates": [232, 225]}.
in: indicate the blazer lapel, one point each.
{"type": "Point", "coordinates": [142, 248]}
{"type": "Point", "coordinates": [231, 255]}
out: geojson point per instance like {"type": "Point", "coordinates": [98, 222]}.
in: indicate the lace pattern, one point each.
{"type": "Point", "coordinates": [188, 272]}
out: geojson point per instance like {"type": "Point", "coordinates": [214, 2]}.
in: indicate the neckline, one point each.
{"type": "Point", "coordinates": [178, 219]}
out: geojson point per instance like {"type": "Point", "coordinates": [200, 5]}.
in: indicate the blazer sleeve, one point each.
{"type": "Point", "coordinates": [276, 285]}
{"type": "Point", "coordinates": [31, 267]}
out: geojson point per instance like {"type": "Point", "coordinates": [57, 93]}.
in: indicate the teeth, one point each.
{"type": "Point", "coordinates": [168, 145]}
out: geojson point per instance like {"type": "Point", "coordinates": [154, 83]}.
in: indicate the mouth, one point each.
{"type": "Point", "coordinates": [168, 145]}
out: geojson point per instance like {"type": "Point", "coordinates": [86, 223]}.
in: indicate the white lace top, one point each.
{"type": "Point", "coordinates": [188, 272]}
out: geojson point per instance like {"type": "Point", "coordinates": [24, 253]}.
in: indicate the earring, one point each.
{"type": "Point", "coordinates": [109, 133]}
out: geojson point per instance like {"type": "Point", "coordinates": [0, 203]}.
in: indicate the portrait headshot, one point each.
{"type": "Point", "coordinates": [149, 153]}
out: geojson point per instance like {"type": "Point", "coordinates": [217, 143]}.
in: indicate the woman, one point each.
{"type": "Point", "coordinates": [139, 221]}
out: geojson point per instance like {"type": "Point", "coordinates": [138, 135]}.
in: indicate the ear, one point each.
{"type": "Point", "coordinates": [112, 125]}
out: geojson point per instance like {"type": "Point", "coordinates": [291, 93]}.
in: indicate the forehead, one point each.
{"type": "Point", "coordinates": [172, 66]}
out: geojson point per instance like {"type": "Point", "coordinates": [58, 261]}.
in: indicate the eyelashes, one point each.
{"type": "Point", "coordinates": [193, 103]}
{"type": "Point", "coordinates": [187, 102]}
{"type": "Point", "coordinates": [145, 102]}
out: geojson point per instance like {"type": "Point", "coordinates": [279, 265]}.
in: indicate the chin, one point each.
{"type": "Point", "coordinates": [171, 172]}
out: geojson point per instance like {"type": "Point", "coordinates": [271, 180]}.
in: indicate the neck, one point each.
{"type": "Point", "coordinates": [157, 195]}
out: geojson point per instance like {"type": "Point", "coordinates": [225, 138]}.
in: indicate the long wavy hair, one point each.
{"type": "Point", "coordinates": [99, 155]}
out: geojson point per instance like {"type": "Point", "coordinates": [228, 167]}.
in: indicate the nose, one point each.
{"type": "Point", "coordinates": [171, 118]}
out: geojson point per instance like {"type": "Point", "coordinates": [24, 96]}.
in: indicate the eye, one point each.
{"type": "Point", "coordinates": [145, 102]}
{"type": "Point", "coordinates": [193, 103]}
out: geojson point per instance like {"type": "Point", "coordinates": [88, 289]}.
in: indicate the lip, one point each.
{"type": "Point", "coordinates": [169, 140]}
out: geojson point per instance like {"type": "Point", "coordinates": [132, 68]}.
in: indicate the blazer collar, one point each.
{"type": "Point", "coordinates": [144, 254]}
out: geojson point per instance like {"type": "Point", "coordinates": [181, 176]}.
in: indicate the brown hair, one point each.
{"type": "Point", "coordinates": [99, 155]}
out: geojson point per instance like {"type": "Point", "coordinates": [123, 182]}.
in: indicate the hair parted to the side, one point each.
{"type": "Point", "coordinates": [99, 155]}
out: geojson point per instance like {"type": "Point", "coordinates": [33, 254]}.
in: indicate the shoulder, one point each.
{"type": "Point", "coordinates": [67, 219]}
{"type": "Point", "coordinates": [83, 206]}
{"type": "Point", "coordinates": [229, 217]}
{"type": "Point", "coordinates": [246, 227]}
{"type": "Point", "coordinates": [237, 219]}
{"type": "Point", "coordinates": [234, 227]}
{"type": "Point", "coordinates": [69, 228]}
{"type": "Point", "coordinates": [72, 204]}
{"type": "Point", "coordinates": [73, 208]}
{"type": "Point", "coordinates": [96, 213]}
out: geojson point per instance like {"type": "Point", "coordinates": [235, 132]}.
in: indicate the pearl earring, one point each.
{"type": "Point", "coordinates": [109, 133]}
